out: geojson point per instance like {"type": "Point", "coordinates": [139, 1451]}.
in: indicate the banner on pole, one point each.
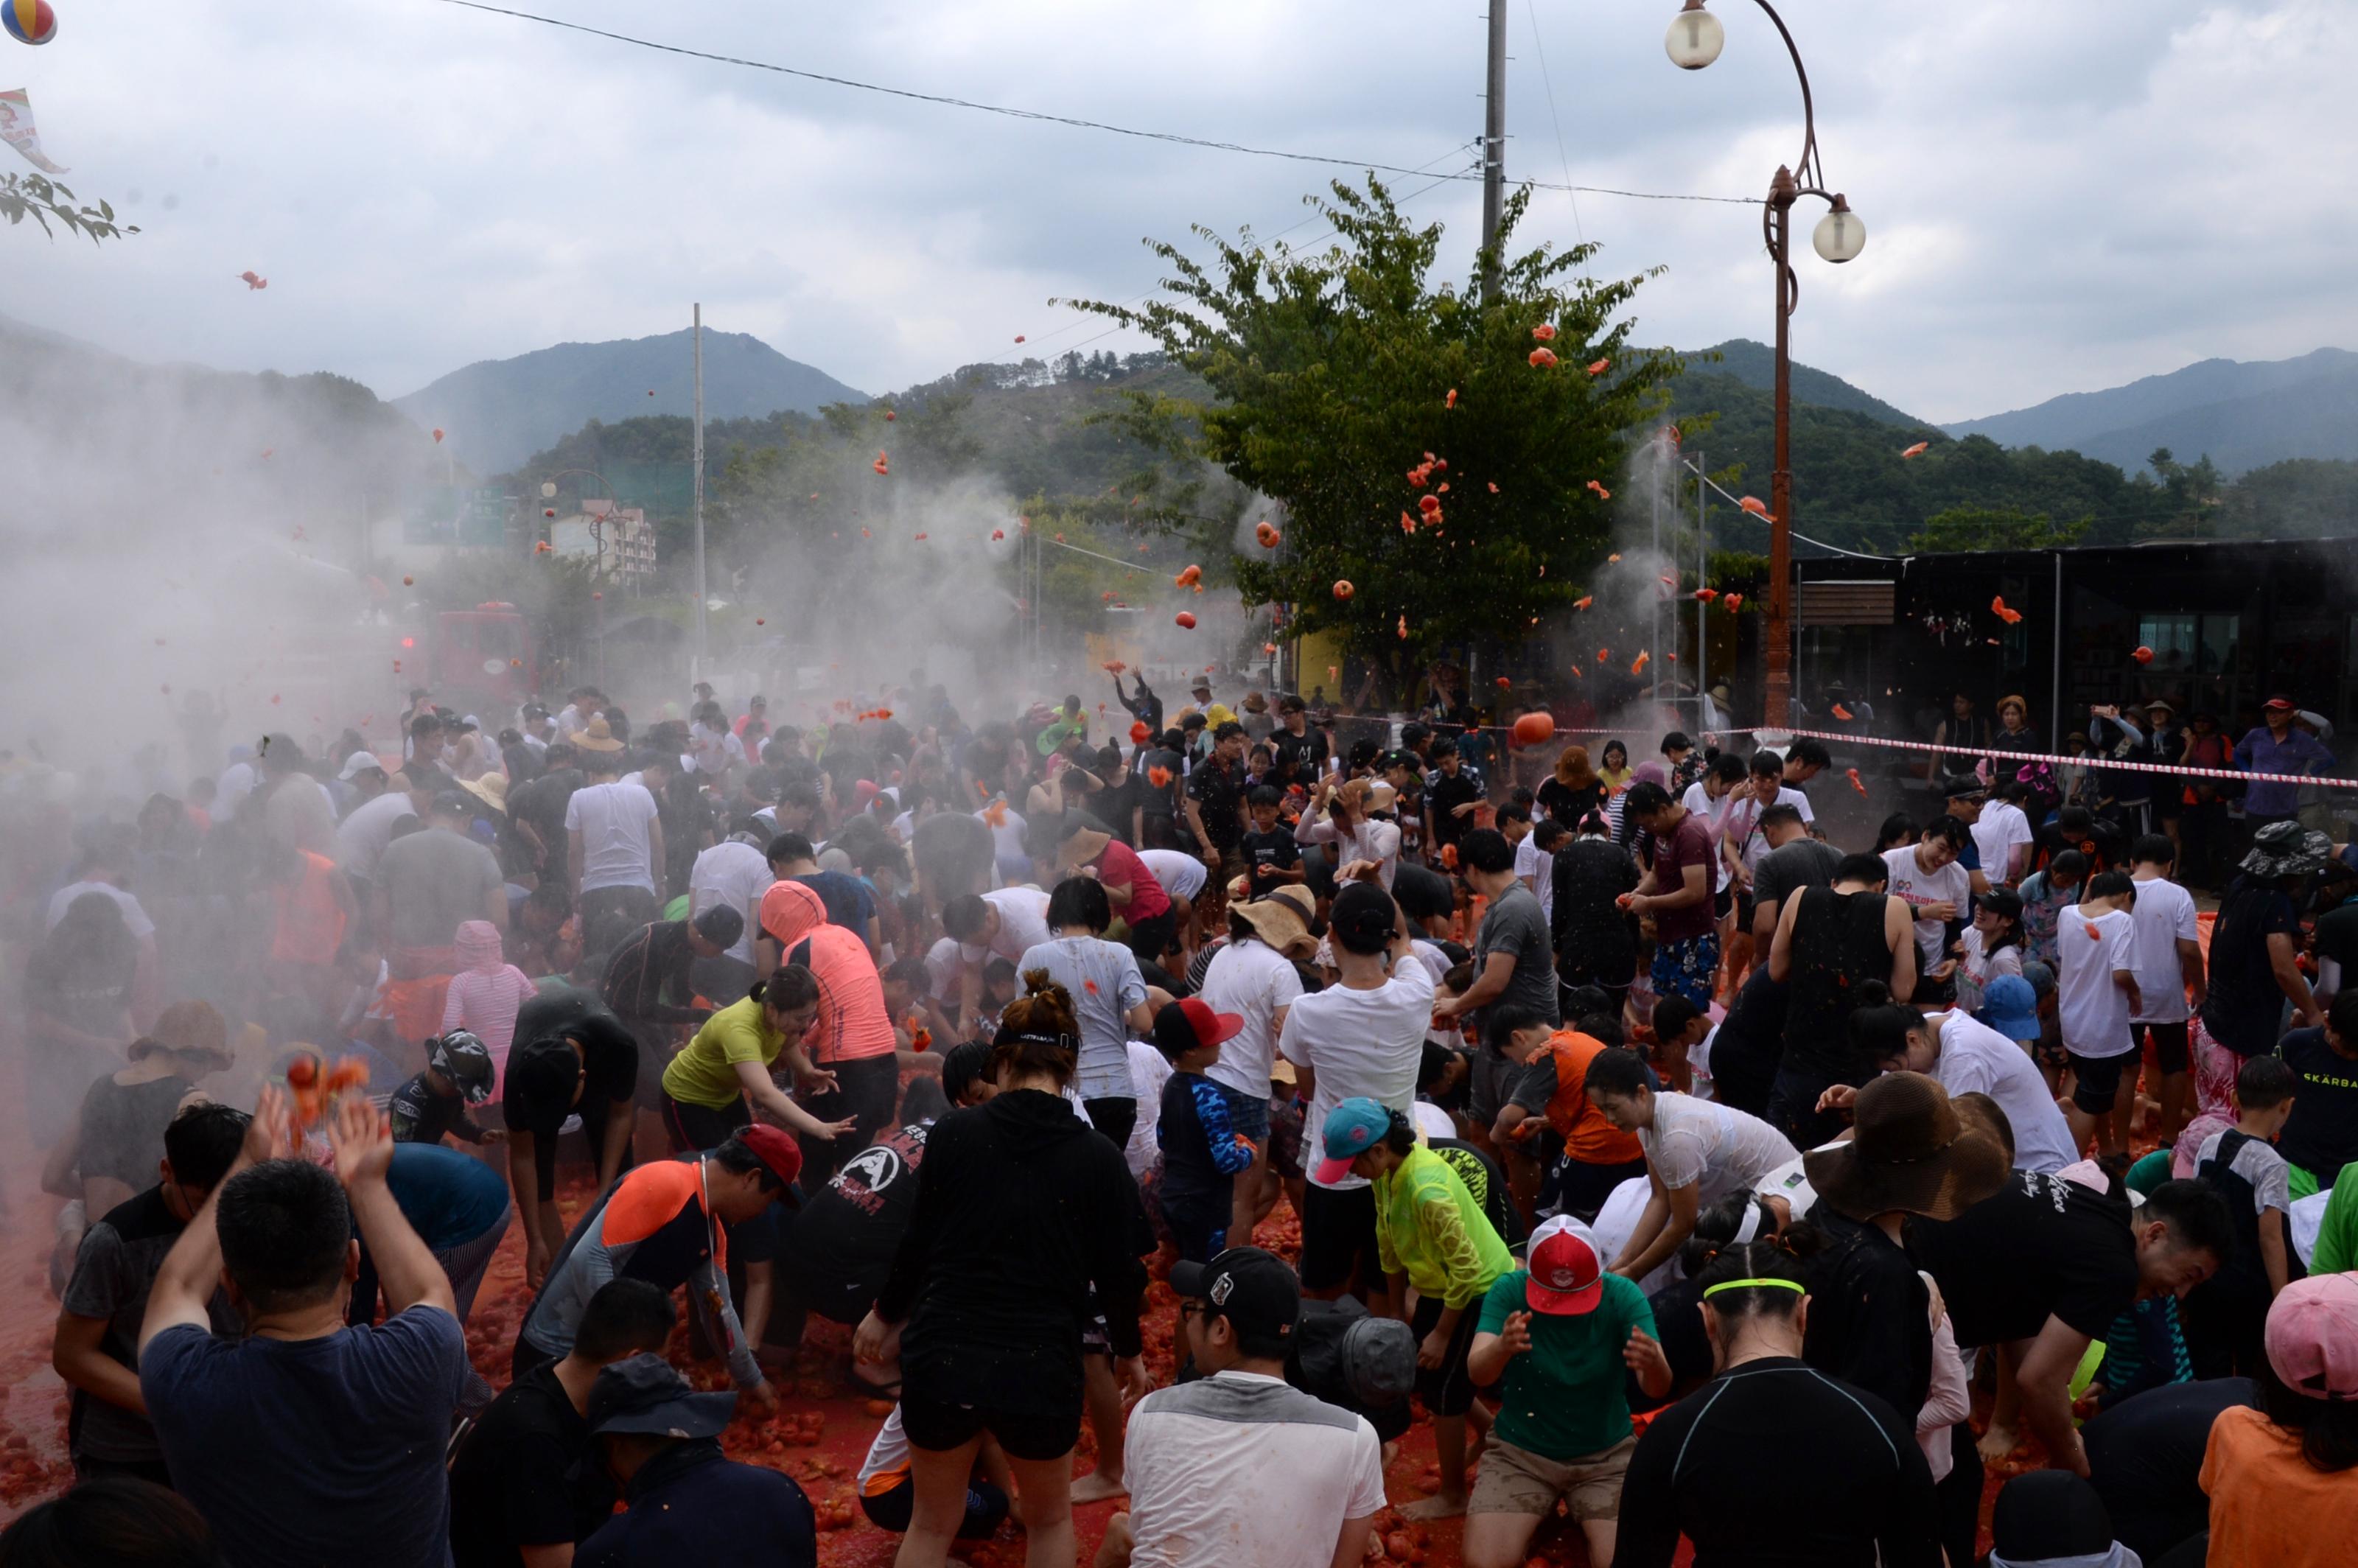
{"type": "Point", "coordinates": [17, 129]}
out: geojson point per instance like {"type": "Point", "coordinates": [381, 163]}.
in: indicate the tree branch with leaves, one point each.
{"type": "Point", "coordinates": [24, 196]}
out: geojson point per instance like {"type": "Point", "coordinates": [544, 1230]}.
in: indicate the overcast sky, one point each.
{"type": "Point", "coordinates": [2058, 197]}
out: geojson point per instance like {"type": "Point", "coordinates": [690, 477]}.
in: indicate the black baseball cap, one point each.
{"type": "Point", "coordinates": [1252, 1289]}
{"type": "Point", "coordinates": [1363, 918]}
{"type": "Point", "coordinates": [644, 1393]}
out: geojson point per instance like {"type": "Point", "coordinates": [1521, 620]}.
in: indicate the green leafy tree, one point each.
{"type": "Point", "coordinates": [24, 196]}
{"type": "Point", "coordinates": [1993, 528]}
{"type": "Point", "coordinates": [1329, 375]}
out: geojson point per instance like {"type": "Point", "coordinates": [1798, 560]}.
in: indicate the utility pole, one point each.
{"type": "Point", "coordinates": [1494, 144]}
{"type": "Point", "coordinates": [703, 634]}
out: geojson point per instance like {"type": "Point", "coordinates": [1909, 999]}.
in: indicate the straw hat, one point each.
{"type": "Point", "coordinates": [597, 737]}
{"type": "Point", "coordinates": [492, 789]}
{"type": "Point", "coordinates": [190, 1028]}
{"type": "Point", "coordinates": [1282, 920]}
{"type": "Point", "coordinates": [1909, 1152]}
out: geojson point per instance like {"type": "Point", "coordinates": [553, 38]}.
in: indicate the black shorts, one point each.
{"type": "Point", "coordinates": [1723, 902]}
{"type": "Point", "coordinates": [938, 1426]}
{"type": "Point", "coordinates": [1152, 937]}
{"type": "Point", "coordinates": [1747, 907]}
{"type": "Point", "coordinates": [1338, 1238]}
{"type": "Point", "coordinates": [1579, 1189]}
{"type": "Point", "coordinates": [2098, 1080]}
{"type": "Point", "coordinates": [693, 1128]}
{"type": "Point", "coordinates": [864, 1090]}
{"type": "Point", "coordinates": [2170, 1053]}
{"type": "Point", "coordinates": [1448, 1389]}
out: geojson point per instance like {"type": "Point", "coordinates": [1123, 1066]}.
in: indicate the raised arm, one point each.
{"type": "Point", "coordinates": [363, 1145]}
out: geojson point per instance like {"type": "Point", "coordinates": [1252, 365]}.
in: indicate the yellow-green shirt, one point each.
{"type": "Point", "coordinates": [705, 1073]}
{"type": "Point", "coordinates": [1429, 1227]}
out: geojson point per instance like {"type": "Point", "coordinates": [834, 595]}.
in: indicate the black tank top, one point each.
{"type": "Point", "coordinates": [1838, 946]}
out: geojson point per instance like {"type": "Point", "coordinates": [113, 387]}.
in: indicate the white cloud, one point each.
{"type": "Point", "coordinates": [2060, 197]}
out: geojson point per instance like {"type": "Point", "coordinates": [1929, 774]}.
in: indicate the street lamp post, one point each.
{"type": "Point", "coordinates": [1693, 43]}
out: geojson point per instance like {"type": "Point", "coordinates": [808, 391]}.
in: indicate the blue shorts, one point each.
{"type": "Point", "coordinates": [1247, 1114]}
{"type": "Point", "coordinates": [1686, 969]}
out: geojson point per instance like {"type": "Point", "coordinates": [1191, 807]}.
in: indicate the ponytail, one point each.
{"type": "Point", "coordinates": [789, 987]}
{"type": "Point", "coordinates": [1764, 1279]}
{"type": "Point", "coordinates": [1037, 1032]}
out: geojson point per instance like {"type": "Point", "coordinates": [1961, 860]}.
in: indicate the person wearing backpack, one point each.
{"type": "Point", "coordinates": [2226, 1316]}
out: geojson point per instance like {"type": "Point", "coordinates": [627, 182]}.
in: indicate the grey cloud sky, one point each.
{"type": "Point", "coordinates": [2058, 197]}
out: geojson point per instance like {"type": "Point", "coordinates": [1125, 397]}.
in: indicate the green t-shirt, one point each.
{"type": "Point", "coordinates": [705, 1073]}
{"type": "Point", "coordinates": [1567, 1396]}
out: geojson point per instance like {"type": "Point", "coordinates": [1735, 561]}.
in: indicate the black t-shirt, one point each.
{"type": "Point", "coordinates": [123, 1127]}
{"type": "Point", "coordinates": [1749, 1045]}
{"type": "Point", "coordinates": [1870, 1318]}
{"type": "Point", "coordinates": [421, 1116]}
{"type": "Point", "coordinates": [2322, 1135]}
{"type": "Point", "coordinates": [542, 804]}
{"type": "Point", "coordinates": [1561, 802]}
{"type": "Point", "coordinates": [610, 1066]}
{"type": "Point", "coordinates": [1154, 801]}
{"type": "Point", "coordinates": [1444, 793]}
{"type": "Point", "coordinates": [1589, 925]}
{"type": "Point", "coordinates": [2244, 1001]}
{"type": "Point", "coordinates": [525, 1477]}
{"type": "Point", "coordinates": [2145, 1459]}
{"type": "Point", "coordinates": [842, 1242]}
{"type": "Point", "coordinates": [1275, 849]}
{"type": "Point", "coordinates": [2038, 1246]}
{"type": "Point", "coordinates": [1218, 795]}
{"type": "Point", "coordinates": [1300, 757]}
{"type": "Point", "coordinates": [2105, 846]}
{"type": "Point", "coordinates": [1423, 893]}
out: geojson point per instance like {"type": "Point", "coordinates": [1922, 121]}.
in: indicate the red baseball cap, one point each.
{"type": "Point", "coordinates": [1567, 1277]}
{"type": "Point", "coordinates": [775, 1148]}
{"type": "Point", "coordinates": [2285, 703]}
{"type": "Point", "coordinates": [1190, 1024]}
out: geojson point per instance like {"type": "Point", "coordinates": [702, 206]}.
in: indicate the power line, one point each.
{"type": "Point", "coordinates": [1531, 14]}
{"type": "Point", "coordinates": [1073, 121]}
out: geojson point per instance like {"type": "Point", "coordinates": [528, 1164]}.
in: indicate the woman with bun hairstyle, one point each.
{"type": "Point", "coordinates": [1021, 1209]}
{"type": "Point", "coordinates": [1698, 1469]}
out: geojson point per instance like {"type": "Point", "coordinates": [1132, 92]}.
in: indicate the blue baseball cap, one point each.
{"type": "Point", "coordinates": [1352, 1129]}
{"type": "Point", "coordinates": [2010, 1006]}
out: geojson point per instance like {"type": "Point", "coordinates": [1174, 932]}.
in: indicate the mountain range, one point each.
{"type": "Point", "coordinates": [496, 413]}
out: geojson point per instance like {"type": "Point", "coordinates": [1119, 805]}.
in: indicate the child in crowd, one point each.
{"type": "Point", "coordinates": [1272, 858]}
{"type": "Point", "coordinates": [458, 1074]}
{"type": "Point", "coordinates": [1202, 1152]}
{"type": "Point", "coordinates": [485, 994]}
{"type": "Point", "coordinates": [2227, 1313]}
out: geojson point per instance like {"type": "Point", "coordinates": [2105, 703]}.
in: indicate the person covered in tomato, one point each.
{"type": "Point", "coordinates": [577, 1058]}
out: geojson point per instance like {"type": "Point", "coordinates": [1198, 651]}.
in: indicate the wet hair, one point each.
{"type": "Point", "coordinates": [1809, 753]}
{"type": "Point", "coordinates": [1601, 1026]}
{"type": "Point", "coordinates": [721, 925]}
{"type": "Point", "coordinates": [1644, 800]}
{"type": "Point", "coordinates": [1676, 741]}
{"type": "Point", "coordinates": [2006, 905]}
{"type": "Point", "coordinates": [1897, 830]}
{"type": "Point", "coordinates": [789, 987]}
{"type": "Point", "coordinates": [2067, 867]}
{"type": "Point", "coordinates": [998, 971]}
{"type": "Point", "coordinates": [1080, 901]}
{"type": "Point", "coordinates": [2153, 849]}
{"type": "Point", "coordinates": [1620, 1072]}
{"type": "Point", "coordinates": [1485, 849]}
{"type": "Point", "coordinates": [2264, 1083]}
{"type": "Point", "coordinates": [1949, 830]}
{"type": "Point", "coordinates": [1265, 795]}
{"type": "Point", "coordinates": [1229, 730]}
{"type": "Point", "coordinates": [1766, 765]}
{"type": "Point", "coordinates": [1549, 834]}
{"type": "Point", "coordinates": [1414, 734]}
{"type": "Point", "coordinates": [119, 1521]}
{"type": "Point", "coordinates": [1400, 1135]}
{"type": "Point", "coordinates": [624, 1315]}
{"type": "Point", "coordinates": [964, 916]}
{"type": "Point", "coordinates": [1862, 868]}
{"type": "Point", "coordinates": [1973, 1103]}
{"type": "Point", "coordinates": [285, 1228]}
{"type": "Point", "coordinates": [961, 1066]}
{"type": "Point", "coordinates": [1458, 979]}
{"type": "Point", "coordinates": [2111, 884]}
{"type": "Point", "coordinates": [1716, 1224]}
{"type": "Point", "coordinates": [789, 847]}
{"type": "Point", "coordinates": [1780, 813]}
{"type": "Point", "coordinates": [922, 1100]}
{"type": "Point", "coordinates": [2197, 1217]}
{"type": "Point", "coordinates": [1581, 1001]}
{"type": "Point", "coordinates": [2076, 819]}
{"type": "Point", "coordinates": [202, 1143]}
{"type": "Point", "coordinates": [1037, 1032]}
{"type": "Point", "coordinates": [1879, 1027]}
{"type": "Point", "coordinates": [2341, 1014]}
{"type": "Point", "coordinates": [1444, 747]}
{"type": "Point", "coordinates": [2328, 1428]}
{"type": "Point", "coordinates": [1726, 767]}
{"type": "Point", "coordinates": [1781, 1257]}
{"type": "Point", "coordinates": [737, 1157]}
{"type": "Point", "coordinates": [910, 971]}
{"type": "Point", "coordinates": [1672, 1014]}
{"type": "Point", "coordinates": [1502, 1021]}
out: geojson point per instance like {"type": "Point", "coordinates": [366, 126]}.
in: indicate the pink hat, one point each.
{"type": "Point", "coordinates": [789, 911]}
{"type": "Point", "coordinates": [478, 944]}
{"type": "Point", "coordinates": [2312, 1336]}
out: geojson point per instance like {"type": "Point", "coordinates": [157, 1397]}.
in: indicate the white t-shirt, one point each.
{"type": "Point", "coordinates": [1252, 980]}
{"type": "Point", "coordinates": [737, 875]}
{"type": "Point", "coordinates": [1022, 926]}
{"type": "Point", "coordinates": [1360, 1045]}
{"type": "Point", "coordinates": [1915, 887]}
{"type": "Point", "coordinates": [1744, 824]}
{"type": "Point", "coordinates": [2095, 1011]}
{"type": "Point", "coordinates": [1976, 969]}
{"type": "Point", "coordinates": [2162, 917]}
{"type": "Point", "coordinates": [1999, 828]}
{"type": "Point", "coordinates": [134, 918]}
{"type": "Point", "coordinates": [1977, 1059]}
{"type": "Point", "coordinates": [2258, 1163]}
{"type": "Point", "coordinates": [1182, 875]}
{"type": "Point", "coordinates": [1716, 814]}
{"type": "Point", "coordinates": [1150, 1069]}
{"type": "Point", "coordinates": [1536, 863]}
{"type": "Point", "coordinates": [1238, 1468]}
{"type": "Point", "coordinates": [362, 838]}
{"type": "Point", "coordinates": [1372, 838]}
{"type": "Point", "coordinates": [1700, 1141]}
{"type": "Point", "coordinates": [613, 819]}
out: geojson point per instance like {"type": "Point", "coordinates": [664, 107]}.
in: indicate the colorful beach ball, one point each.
{"type": "Point", "coordinates": [28, 21]}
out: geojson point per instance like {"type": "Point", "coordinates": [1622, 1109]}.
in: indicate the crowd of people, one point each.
{"type": "Point", "coordinates": [1695, 1176]}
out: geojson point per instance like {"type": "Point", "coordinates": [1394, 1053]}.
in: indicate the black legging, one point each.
{"type": "Point", "coordinates": [1116, 1116]}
